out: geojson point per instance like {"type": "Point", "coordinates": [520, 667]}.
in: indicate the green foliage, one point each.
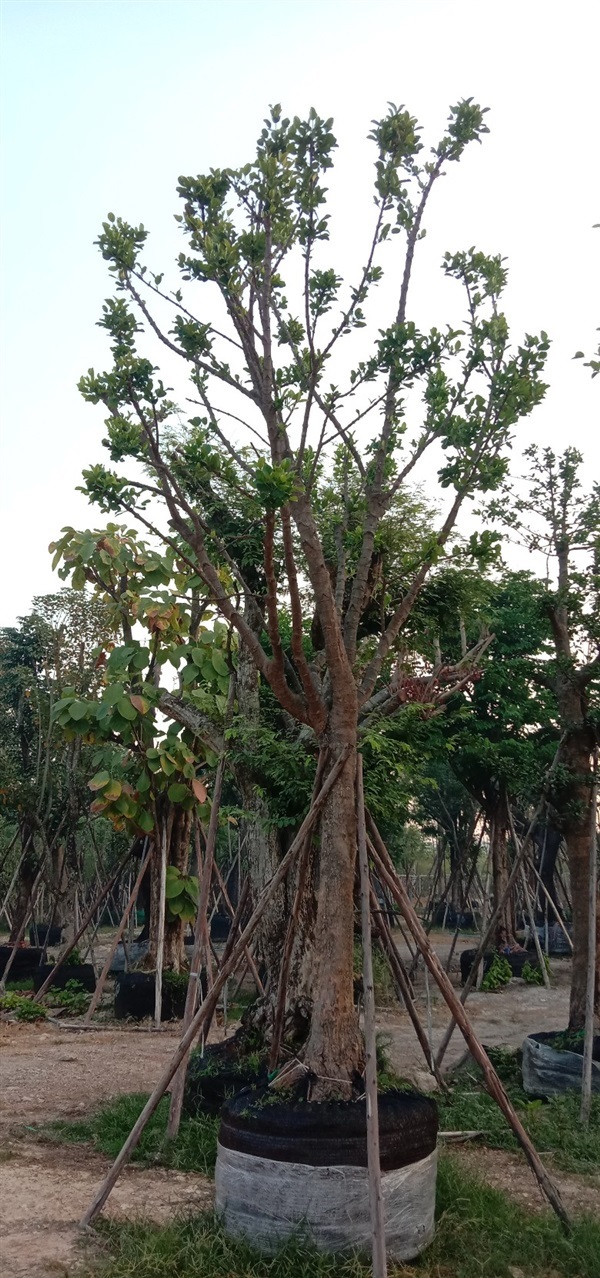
{"type": "Point", "coordinates": [532, 975]}
{"type": "Point", "coordinates": [498, 974]}
{"type": "Point", "coordinates": [23, 1009]}
{"type": "Point", "coordinates": [182, 894]}
{"type": "Point", "coordinates": [74, 998]}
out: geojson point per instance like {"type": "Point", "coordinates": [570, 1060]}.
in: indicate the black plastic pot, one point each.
{"type": "Point", "coordinates": [515, 961]}
{"type": "Point", "coordinates": [46, 935]}
{"type": "Point", "coordinates": [217, 1076]}
{"type": "Point", "coordinates": [84, 973]}
{"type": "Point", "coordinates": [135, 994]}
{"type": "Point", "coordinates": [25, 962]}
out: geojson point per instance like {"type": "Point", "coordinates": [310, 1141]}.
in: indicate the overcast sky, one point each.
{"type": "Point", "coordinates": [106, 102]}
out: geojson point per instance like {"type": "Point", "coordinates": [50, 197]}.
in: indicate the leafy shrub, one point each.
{"type": "Point", "coordinates": [498, 974]}
{"type": "Point", "coordinates": [532, 975]}
{"type": "Point", "coordinates": [23, 1008]}
{"type": "Point", "coordinates": [74, 998]}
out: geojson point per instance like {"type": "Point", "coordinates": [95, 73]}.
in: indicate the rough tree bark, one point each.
{"type": "Point", "coordinates": [505, 927]}
{"type": "Point", "coordinates": [575, 807]}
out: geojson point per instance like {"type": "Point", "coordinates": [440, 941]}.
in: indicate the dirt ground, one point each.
{"type": "Point", "coordinates": [48, 1072]}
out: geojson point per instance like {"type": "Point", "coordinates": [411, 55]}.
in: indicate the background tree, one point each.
{"type": "Point", "coordinates": [554, 517]}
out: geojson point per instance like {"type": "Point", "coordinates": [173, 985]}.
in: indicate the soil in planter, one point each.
{"type": "Point", "coordinates": [25, 962]}
{"type": "Point", "coordinates": [572, 1041]}
{"type": "Point", "coordinates": [224, 1070]}
{"type": "Point", "coordinates": [135, 994]}
{"type": "Point", "coordinates": [84, 973]}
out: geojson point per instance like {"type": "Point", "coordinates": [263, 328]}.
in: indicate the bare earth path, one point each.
{"type": "Point", "coordinates": [48, 1073]}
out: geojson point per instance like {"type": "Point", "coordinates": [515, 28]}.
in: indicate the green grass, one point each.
{"type": "Point", "coordinates": [19, 987]}
{"type": "Point", "coordinates": [194, 1150]}
{"type": "Point", "coordinates": [480, 1234]}
{"type": "Point", "coordinates": [554, 1126]}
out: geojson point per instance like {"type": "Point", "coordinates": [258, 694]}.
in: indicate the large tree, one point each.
{"type": "Point", "coordinates": [283, 368]}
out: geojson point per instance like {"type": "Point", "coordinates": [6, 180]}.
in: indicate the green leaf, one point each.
{"type": "Point", "coordinates": [99, 781]}
{"type": "Point", "coordinates": [126, 710]}
{"type": "Point", "coordinates": [145, 821]}
{"type": "Point", "coordinates": [177, 792]}
{"type": "Point", "coordinates": [78, 709]}
{"type": "Point", "coordinates": [197, 656]}
{"type": "Point", "coordinates": [113, 694]}
{"type": "Point", "coordinates": [219, 662]}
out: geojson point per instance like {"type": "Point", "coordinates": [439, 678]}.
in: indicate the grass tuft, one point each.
{"type": "Point", "coordinates": [194, 1150]}
{"type": "Point", "coordinates": [480, 1234]}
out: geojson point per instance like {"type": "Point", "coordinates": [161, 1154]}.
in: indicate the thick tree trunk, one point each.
{"type": "Point", "coordinates": [577, 830]}
{"type": "Point", "coordinates": [505, 926]}
{"type": "Point", "coordinates": [335, 1050]}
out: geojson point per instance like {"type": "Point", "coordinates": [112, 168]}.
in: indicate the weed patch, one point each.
{"type": "Point", "coordinates": [554, 1126]}
{"type": "Point", "coordinates": [195, 1149]}
{"type": "Point", "coordinates": [480, 1234]}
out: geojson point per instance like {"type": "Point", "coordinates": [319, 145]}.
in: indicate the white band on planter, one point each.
{"type": "Point", "coordinates": [266, 1201]}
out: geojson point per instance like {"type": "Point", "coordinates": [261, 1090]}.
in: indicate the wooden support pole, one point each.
{"type": "Point", "coordinates": [288, 945]}
{"type": "Point", "coordinates": [21, 933]}
{"type": "Point", "coordinates": [84, 923]}
{"type": "Point", "coordinates": [97, 995]}
{"type": "Point", "coordinates": [230, 909]}
{"type": "Point", "coordinates": [375, 1195]}
{"type": "Point", "coordinates": [588, 1040]}
{"type": "Point", "coordinates": [385, 868]}
{"type": "Point", "coordinates": [208, 1005]}
{"type": "Point", "coordinates": [401, 980]}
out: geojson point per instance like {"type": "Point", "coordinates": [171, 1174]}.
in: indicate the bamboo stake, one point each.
{"type": "Point", "coordinates": [384, 865]}
{"type": "Point", "coordinates": [527, 895]}
{"type": "Point", "coordinates": [82, 926]}
{"type": "Point", "coordinates": [200, 944]}
{"type": "Point", "coordinates": [208, 1005]}
{"type": "Point", "coordinates": [375, 1195]}
{"type": "Point", "coordinates": [553, 904]}
{"type": "Point", "coordinates": [588, 1041]}
{"type": "Point", "coordinates": [230, 909]}
{"type": "Point", "coordinates": [288, 945]}
{"type": "Point", "coordinates": [400, 977]}
{"type": "Point", "coordinates": [122, 925]}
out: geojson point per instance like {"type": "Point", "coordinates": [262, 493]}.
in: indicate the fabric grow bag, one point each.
{"type": "Point", "coordinates": [135, 993]}
{"type": "Point", "coordinates": [82, 972]}
{"type": "Point", "coordinates": [548, 1072]}
{"type": "Point", "coordinates": [46, 935]}
{"type": "Point", "coordinates": [515, 961]}
{"type": "Point", "coordinates": [24, 964]}
{"type": "Point", "coordinates": [217, 1076]}
{"type": "Point", "coordinates": [220, 927]}
{"type": "Point", "coordinates": [283, 1169]}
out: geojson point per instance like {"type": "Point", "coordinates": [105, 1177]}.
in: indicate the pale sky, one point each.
{"type": "Point", "coordinates": [106, 102]}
